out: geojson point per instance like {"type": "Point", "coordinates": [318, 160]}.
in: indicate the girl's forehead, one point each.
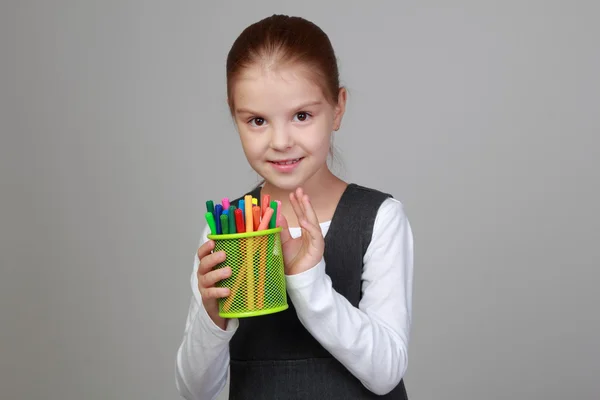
{"type": "Point", "coordinates": [287, 84]}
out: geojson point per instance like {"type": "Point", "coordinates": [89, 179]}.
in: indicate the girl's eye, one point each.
{"type": "Point", "coordinates": [257, 121]}
{"type": "Point", "coordinates": [302, 116]}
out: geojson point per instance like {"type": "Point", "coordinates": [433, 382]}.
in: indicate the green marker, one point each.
{"type": "Point", "coordinates": [231, 217]}
{"type": "Point", "coordinates": [273, 222]}
{"type": "Point", "coordinates": [210, 219]}
{"type": "Point", "coordinates": [210, 206]}
{"type": "Point", "coordinates": [224, 224]}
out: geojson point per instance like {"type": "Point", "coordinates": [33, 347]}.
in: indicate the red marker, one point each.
{"type": "Point", "coordinates": [239, 221]}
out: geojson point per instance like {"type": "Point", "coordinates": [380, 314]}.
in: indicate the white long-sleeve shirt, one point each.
{"type": "Point", "coordinates": [371, 341]}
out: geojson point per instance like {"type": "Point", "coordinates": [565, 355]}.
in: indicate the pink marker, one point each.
{"type": "Point", "coordinates": [278, 211]}
{"type": "Point", "coordinates": [225, 203]}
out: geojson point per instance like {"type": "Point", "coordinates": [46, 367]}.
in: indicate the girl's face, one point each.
{"type": "Point", "coordinates": [285, 124]}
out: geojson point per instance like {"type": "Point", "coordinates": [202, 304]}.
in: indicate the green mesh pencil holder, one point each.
{"type": "Point", "coordinates": [257, 281]}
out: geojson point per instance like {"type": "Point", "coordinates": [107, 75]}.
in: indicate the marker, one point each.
{"type": "Point", "coordinates": [248, 205]}
{"type": "Point", "coordinates": [255, 217]}
{"type": "Point", "coordinates": [224, 224]}
{"type": "Point", "coordinates": [225, 203]}
{"type": "Point", "coordinates": [242, 206]}
{"type": "Point", "coordinates": [273, 222]}
{"type": "Point", "coordinates": [210, 219]}
{"type": "Point", "coordinates": [225, 212]}
{"type": "Point", "coordinates": [266, 202]}
{"type": "Point", "coordinates": [278, 211]}
{"type": "Point", "coordinates": [210, 206]}
{"type": "Point", "coordinates": [254, 201]}
{"type": "Point", "coordinates": [231, 219]}
{"type": "Point", "coordinates": [264, 224]}
{"type": "Point", "coordinates": [239, 221]}
{"type": "Point", "coordinates": [218, 212]}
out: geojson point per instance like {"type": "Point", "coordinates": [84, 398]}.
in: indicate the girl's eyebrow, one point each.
{"type": "Point", "coordinates": [300, 107]}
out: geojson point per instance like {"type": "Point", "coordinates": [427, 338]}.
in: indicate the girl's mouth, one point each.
{"type": "Point", "coordinates": [286, 165]}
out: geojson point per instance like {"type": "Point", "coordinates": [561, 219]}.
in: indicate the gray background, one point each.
{"type": "Point", "coordinates": [481, 117]}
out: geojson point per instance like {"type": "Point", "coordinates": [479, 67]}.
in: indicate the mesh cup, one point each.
{"type": "Point", "coordinates": [257, 280]}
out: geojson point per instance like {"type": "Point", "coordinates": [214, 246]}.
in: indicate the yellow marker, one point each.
{"type": "Point", "coordinates": [249, 253]}
{"type": "Point", "coordinates": [248, 213]}
{"type": "Point", "coordinates": [254, 201]}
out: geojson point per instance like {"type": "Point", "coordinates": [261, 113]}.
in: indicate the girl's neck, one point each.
{"type": "Point", "coordinates": [324, 192]}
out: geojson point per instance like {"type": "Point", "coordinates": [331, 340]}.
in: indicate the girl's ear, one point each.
{"type": "Point", "coordinates": [340, 109]}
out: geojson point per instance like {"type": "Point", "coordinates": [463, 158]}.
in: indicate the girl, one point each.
{"type": "Point", "coordinates": [348, 249]}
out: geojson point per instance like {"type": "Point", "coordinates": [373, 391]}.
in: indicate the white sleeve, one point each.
{"type": "Point", "coordinates": [203, 356]}
{"type": "Point", "coordinates": [371, 341]}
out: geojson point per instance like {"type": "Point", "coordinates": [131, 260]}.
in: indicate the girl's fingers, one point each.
{"type": "Point", "coordinates": [296, 206]}
{"type": "Point", "coordinates": [210, 279]}
{"type": "Point", "coordinates": [299, 198]}
{"type": "Point", "coordinates": [207, 263]}
{"type": "Point", "coordinates": [214, 293]}
{"type": "Point", "coordinates": [314, 231]}
{"type": "Point", "coordinates": [309, 211]}
{"type": "Point", "coordinates": [285, 230]}
{"type": "Point", "coordinates": [205, 249]}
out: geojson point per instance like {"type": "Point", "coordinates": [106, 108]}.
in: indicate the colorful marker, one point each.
{"type": "Point", "coordinates": [255, 217]}
{"type": "Point", "coordinates": [273, 222]}
{"type": "Point", "coordinates": [225, 203]}
{"type": "Point", "coordinates": [210, 206]}
{"type": "Point", "coordinates": [231, 219]}
{"type": "Point", "coordinates": [254, 201]}
{"type": "Point", "coordinates": [248, 205]}
{"type": "Point", "coordinates": [242, 206]}
{"type": "Point", "coordinates": [239, 221]}
{"type": "Point", "coordinates": [210, 219]}
{"type": "Point", "coordinates": [264, 224]}
{"type": "Point", "coordinates": [266, 202]}
{"type": "Point", "coordinates": [218, 212]}
{"type": "Point", "coordinates": [278, 211]}
{"type": "Point", "coordinates": [224, 224]}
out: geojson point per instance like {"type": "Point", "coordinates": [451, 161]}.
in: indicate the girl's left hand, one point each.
{"type": "Point", "coordinates": [304, 252]}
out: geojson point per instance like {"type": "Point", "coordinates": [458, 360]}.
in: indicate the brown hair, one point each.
{"type": "Point", "coordinates": [282, 39]}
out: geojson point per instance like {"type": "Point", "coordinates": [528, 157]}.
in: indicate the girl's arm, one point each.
{"type": "Point", "coordinates": [371, 341]}
{"type": "Point", "coordinates": [203, 356]}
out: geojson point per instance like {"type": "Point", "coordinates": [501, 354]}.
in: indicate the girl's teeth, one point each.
{"type": "Point", "coordinates": [288, 162]}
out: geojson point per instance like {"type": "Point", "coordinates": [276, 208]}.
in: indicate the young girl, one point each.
{"type": "Point", "coordinates": [348, 249]}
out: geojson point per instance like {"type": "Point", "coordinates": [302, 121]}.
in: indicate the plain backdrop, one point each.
{"type": "Point", "coordinates": [480, 116]}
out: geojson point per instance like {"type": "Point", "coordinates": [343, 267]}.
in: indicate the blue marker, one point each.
{"type": "Point", "coordinates": [218, 212]}
{"type": "Point", "coordinates": [241, 207]}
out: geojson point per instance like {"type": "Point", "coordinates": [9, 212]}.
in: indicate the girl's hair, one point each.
{"type": "Point", "coordinates": [279, 40]}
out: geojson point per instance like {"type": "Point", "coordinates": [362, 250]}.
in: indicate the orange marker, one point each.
{"type": "Point", "coordinates": [265, 203]}
{"type": "Point", "coordinates": [256, 217]}
{"type": "Point", "coordinates": [264, 224]}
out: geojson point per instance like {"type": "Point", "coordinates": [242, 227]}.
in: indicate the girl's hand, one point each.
{"type": "Point", "coordinates": [304, 252]}
{"type": "Point", "coordinates": [207, 278]}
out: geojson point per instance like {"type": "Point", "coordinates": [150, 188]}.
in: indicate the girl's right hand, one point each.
{"type": "Point", "coordinates": [207, 278]}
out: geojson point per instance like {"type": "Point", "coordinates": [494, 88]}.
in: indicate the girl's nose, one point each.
{"type": "Point", "coordinates": [281, 139]}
